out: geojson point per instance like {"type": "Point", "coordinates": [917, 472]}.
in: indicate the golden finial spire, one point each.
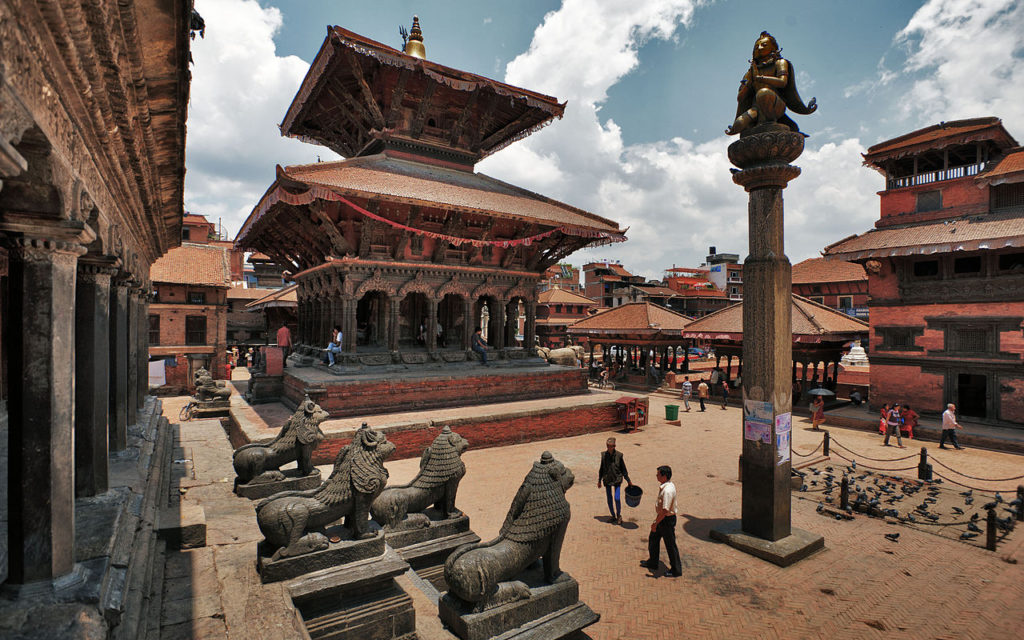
{"type": "Point", "coordinates": [414, 47]}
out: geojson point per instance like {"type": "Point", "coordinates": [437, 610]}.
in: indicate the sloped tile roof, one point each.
{"type": "Point", "coordinates": [1012, 162]}
{"type": "Point", "coordinates": [811, 322]}
{"type": "Point", "coordinates": [561, 296]}
{"type": "Point", "coordinates": [656, 290]}
{"type": "Point", "coordinates": [635, 316]}
{"type": "Point", "coordinates": [241, 293]}
{"type": "Point", "coordinates": [284, 297]}
{"type": "Point", "coordinates": [815, 270]}
{"type": "Point", "coordinates": [199, 264]}
{"type": "Point", "coordinates": [987, 231]}
{"type": "Point", "coordinates": [938, 136]}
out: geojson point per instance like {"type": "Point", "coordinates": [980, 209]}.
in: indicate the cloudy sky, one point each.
{"type": "Point", "coordinates": [650, 85]}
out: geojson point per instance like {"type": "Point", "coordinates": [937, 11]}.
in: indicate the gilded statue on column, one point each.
{"type": "Point", "coordinates": [768, 89]}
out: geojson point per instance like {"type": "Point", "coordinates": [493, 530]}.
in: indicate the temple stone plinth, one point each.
{"type": "Point", "coordinates": [763, 154]}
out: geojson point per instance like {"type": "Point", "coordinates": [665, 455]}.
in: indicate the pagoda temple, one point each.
{"type": "Point", "coordinates": [402, 245]}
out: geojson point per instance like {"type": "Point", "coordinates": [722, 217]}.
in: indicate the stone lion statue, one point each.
{"type": "Point", "coordinates": [207, 388]}
{"type": "Point", "coordinates": [298, 437]}
{"type": "Point", "coordinates": [358, 477]}
{"type": "Point", "coordinates": [484, 573]}
{"type": "Point", "coordinates": [441, 470]}
{"type": "Point", "coordinates": [568, 356]}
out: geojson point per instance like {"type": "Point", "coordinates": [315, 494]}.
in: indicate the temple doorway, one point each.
{"type": "Point", "coordinates": [371, 320]}
{"type": "Point", "coordinates": [971, 392]}
{"type": "Point", "coordinates": [413, 321]}
{"type": "Point", "coordinates": [451, 323]}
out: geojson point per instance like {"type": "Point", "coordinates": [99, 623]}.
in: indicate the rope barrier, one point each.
{"type": "Point", "coordinates": [808, 455]}
{"type": "Point", "coordinates": [960, 473]}
{"type": "Point", "coordinates": [839, 455]}
{"type": "Point", "coordinates": [859, 456]}
{"type": "Point", "coordinates": [983, 490]}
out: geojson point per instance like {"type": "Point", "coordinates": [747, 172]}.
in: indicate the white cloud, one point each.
{"type": "Point", "coordinates": [966, 59]}
{"type": "Point", "coordinates": [241, 89]}
{"type": "Point", "coordinates": [676, 196]}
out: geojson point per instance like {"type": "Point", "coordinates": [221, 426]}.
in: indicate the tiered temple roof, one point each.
{"type": "Point", "coordinates": [811, 323]}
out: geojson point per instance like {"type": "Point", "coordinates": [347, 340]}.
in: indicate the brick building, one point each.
{"type": "Point", "coordinates": [556, 310]}
{"type": "Point", "coordinates": [698, 296]}
{"type": "Point", "coordinates": [561, 276]}
{"type": "Point", "coordinates": [189, 312]}
{"type": "Point", "coordinates": [945, 268]}
{"type": "Point", "coordinates": [245, 326]}
{"type": "Point", "coordinates": [834, 283]}
{"type": "Point", "coordinates": [726, 272]}
{"type": "Point", "coordinates": [601, 278]}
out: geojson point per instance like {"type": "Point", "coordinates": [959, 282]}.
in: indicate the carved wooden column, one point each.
{"type": "Point", "coordinates": [92, 377]}
{"type": "Point", "coordinates": [394, 303]}
{"type": "Point", "coordinates": [432, 324]}
{"type": "Point", "coordinates": [143, 338]}
{"type": "Point", "coordinates": [41, 493]}
{"type": "Point", "coordinates": [133, 352]}
{"type": "Point", "coordinates": [348, 324]}
{"type": "Point", "coordinates": [498, 321]}
{"type": "Point", "coordinates": [530, 330]}
{"type": "Point", "coordinates": [118, 394]}
{"type": "Point", "coordinates": [468, 323]}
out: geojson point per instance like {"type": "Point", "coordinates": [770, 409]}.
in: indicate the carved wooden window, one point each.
{"type": "Point", "coordinates": [967, 265]}
{"type": "Point", "coordinates": [971, 337]}
{"type": "Point", "coordinates": [1012, 262]}
{"type": "Point", "coordinates": [1006, 196]}
{"type": "Point", "coordinates": [195, 330]}
{"type": "Point", "coordinates": [968, 340]}
{"type": "Point", "coordinates": [154, 330]}
{"type": "Point", "coordinates": [926, 269]}
{"type": "Point", "coordinates": [929, 201]}
{"type": "Point", "coordinates": [898, 338]}
{"type": "Point", "coordinates": [416, 245]}
{"type": "Point", "coordinates": [197, 297]}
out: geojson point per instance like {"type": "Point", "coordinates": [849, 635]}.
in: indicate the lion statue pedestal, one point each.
{"type": "Point", "coordinates": [420, 519]}
{"type": "Point", "coordinates": [301, 528]}
{"type": "Point", "coordinates": [513, 585]}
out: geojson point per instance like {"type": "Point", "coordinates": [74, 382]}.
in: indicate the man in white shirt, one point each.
{"type": "Point", "coordinates": [664, 526]}
{"type": "Point", "coordinates": [687, 391]}
{"type": "Point", "coordinates": [949, 427]}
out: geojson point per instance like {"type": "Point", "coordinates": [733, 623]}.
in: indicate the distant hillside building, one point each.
{"type": "Point", "coordinates": [945, 267]}
{"type": "Point", "coordinates": [188, 315]}
{"type": "Point", "coordinates": [833, 283]}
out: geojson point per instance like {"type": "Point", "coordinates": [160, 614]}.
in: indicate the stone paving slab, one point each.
{"type": "Point", "coordinates": [860, 586]}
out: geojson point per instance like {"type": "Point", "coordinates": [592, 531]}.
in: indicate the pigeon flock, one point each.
{"type": "Point", "coordinates": [906, 501]}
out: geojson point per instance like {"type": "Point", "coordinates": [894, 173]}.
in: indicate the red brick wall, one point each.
{"type": "Point", "coordinates": [909, 316]}
{"type": "Point", "coordinates": [172, 311]}
{"type": "Point", "coordinates": [389, 396]}
{"type": "Point", "coordinates": [1011, 392]}
{"type": "Point", "coordinates": [959, 197]}
{"type": "Point", "coordinates": [906, 384]}
{"type": "Point", "coordinates": [491, 431]}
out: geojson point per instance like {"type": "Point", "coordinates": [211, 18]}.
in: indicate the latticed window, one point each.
{"type": "Point", "coordinates": [969, 340]}
{"type": "Point", "coordinates": [929, 201]}
{"type": "Point", "coordinates": [1008, 195]}
{"type": "Point", "coordinates": [197, 297]}
{"type": "Point", "coordinates": [154, 330]}
{"type": "Point", "coordinates": [899, 338]}
{"type": "Point", "coordinates": [195, 330]}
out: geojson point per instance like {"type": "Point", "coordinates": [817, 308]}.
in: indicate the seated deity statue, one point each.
{"type": "Point", "coordinates": [768, 89]}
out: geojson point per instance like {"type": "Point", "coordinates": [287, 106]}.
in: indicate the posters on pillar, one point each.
{"type": "Point", "coordinates": [757, 421]}
{"type": "Point", "coordinates": [783, 429]}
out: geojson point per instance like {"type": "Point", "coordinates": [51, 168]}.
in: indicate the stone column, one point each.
{"type": "Point", "coordinates": [530, 330]}
{"type": "Point", "coordinates": [133, 353]}
{"type": "Point", "coordinates": [468, 324]}
{"type": "Point", "coordinates": [118, 391]}
{"type": "Point", "coordinates": [432, 324]}
{"type": "Point", "coordinates": [41, 359]}
{"type": "Point", "coordinates": [763, 154]}
{"type": "Point", "coordinates": [394, 304]}
{"type": "Point", "coordinates": [498, 322]}
{"type": "Point", "coordinates": [92, 376]}
{"type": "Point", "coordinates": [143, 339]}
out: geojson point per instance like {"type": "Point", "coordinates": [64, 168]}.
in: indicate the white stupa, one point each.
{"type": "Point", "coordinates": [856, 357]}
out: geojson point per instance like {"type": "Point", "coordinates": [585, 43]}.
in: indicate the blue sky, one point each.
{"type": "Point", "coordinates": [650, 84]}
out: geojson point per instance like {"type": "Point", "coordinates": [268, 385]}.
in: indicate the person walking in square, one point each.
{"type": "Point", "coordinates": [664, 526]}
{"type": "Point", "coordinates": [284, 340]}
{"type": "Point", "coordinates": [725, 392]}
{"type": "Point", "coordinates": [892, 421]}
{"type": "Point", "coordinates": [818, 406]}
{"type": "Point", "coordinates": [703, 393]}
{"type": "Point", "coordinates": [949, 427]}
{"type": "Point", "coordinates": [611, 473]}
{"type": "Point", "coordinates": [687, 390]}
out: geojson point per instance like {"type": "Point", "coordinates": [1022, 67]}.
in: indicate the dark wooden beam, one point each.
{"type": "Point", "coordinates": [342, 97]}
{"type": "Point", "coordinates": [357, 73]}
{"type": "Point", "coordinates": [421, 111]}
{"type": "Point", "coordinates": [403, 240]}
{"type": "Point", "coordinates": [460, 125]}
{"type": "Point", "coordinates": [486, 118]}
{"type": "Point", "coordinates": [518, 123]}
{"type": "Point", "coordinates": [397, 95]}
{"type": "Point", "coordinates": [339, 245]}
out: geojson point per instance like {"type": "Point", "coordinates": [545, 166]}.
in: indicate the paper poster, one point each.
{"type": "Point", "coordinates": [782, 447]}
{"type": "Point", "coordinates": [757, 431]}
{"type": "Point", "coordinates": [783, 423]}
{"type": "Point", "coordinates": [757, 421]}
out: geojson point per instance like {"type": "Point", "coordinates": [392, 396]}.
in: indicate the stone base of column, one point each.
{"type": "Point", "coordinates": [783, 552]}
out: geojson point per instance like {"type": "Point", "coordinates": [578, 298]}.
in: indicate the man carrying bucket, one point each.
{"type": "Point", "coordinates": [613, 470]}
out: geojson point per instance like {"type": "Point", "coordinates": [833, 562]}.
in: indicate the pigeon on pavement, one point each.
{"type": "Point", "coordinates": [958, 511]}
{"type": "Point", "coordinates": [966, 535]}
{"type": "Point", "coordinates": [895, 537]}
{"type": "Point", "coordinates": [973, 527]}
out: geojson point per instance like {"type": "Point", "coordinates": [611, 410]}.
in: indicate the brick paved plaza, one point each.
{"type": "Point", "coordinates": [860, 586]}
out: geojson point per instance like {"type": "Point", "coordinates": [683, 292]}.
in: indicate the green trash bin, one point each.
{"type": "Point", "coordinates": [671, 411]}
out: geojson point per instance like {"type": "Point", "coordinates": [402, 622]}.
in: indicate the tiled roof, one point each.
{"type": "Point", "coordinates": [816, 270]}
{"type": "Point", "coordinates": [191, 218]}
{"type": "Point", "coordinates": [1012, 162]}
{"type": "Point", "coordinates": [241, 293]}
{"type": "Point", "coordinates": [260, 257]}
{"type": "Point", "coordinates": [656, 290]}
{"type": "Point", "coordinates": [561, 296]}
{"type": "Point", "coordinates": [988, 231]}
{"type": "Point", "coordinates": [811, 322]}
{"type": "Point", "coordinates": [201, 264]}
{"type": "Point", "coordinates": [635, 316]}
{"type": "Point", "coordinates": [284, 297]}
{"type": "Point", "coordinates": [942, 135]}
{"type": "Point", "coordinates": [372, 176]}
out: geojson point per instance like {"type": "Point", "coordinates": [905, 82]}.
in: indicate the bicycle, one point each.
{"type": "Point", "coordinates": [602, 383]}
{"type": "Point", "coordinates": [187, 412]}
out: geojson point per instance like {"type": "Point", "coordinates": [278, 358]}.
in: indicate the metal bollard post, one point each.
{"type": "Point", "coordinates": [990, 531]}
{"type": "Point", "coordinates": [826, 443]}
{"type": "Point", "coordinates": [844, 491]}
{"type": "Point", "coordinates": [924, 470]}
{"type": "Point", "coordinates": [1020, 506]}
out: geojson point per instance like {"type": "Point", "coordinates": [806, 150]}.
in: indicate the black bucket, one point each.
{"type": "Point", "coordinates": [633, 495]}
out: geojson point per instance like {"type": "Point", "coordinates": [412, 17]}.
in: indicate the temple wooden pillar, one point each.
{"type": "Point", "coordinates": [432, 324]}
{"type": "Point", "coordinates": [143, 353]}
{"type": "Point", "coordinates": [348, 324]}
{"type": "Point", "coordinates": [394, 305]}
{"type": "Point", "coordinates": [118, 362]}
{"type": "Point", "coordinates": [468, 324]}
{"type": "Point", "coordinates": [530, 330]}
{"type": "Point", "coordinates": [133, 353]}
{"type": "Point", "coordinates": [498, 320]}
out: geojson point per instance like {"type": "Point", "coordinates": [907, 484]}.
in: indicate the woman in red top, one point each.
{"type": "Point", "coordinates": [909, 419]}
{"type": "Point", "coordinates": [883, 422]}
{"type": "Point", "coordinates": [819, 412]}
